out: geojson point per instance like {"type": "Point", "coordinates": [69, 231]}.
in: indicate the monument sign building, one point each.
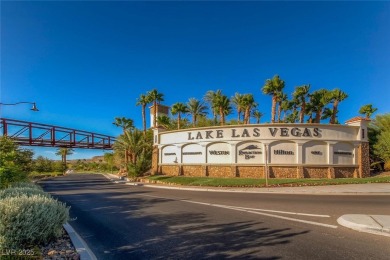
{"type": "Point", "coordinates": [282, 150]}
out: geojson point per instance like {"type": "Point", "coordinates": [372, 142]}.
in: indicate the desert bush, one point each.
{"type": "Point", "coordinates": [22, 191]}
{"type": "Point", "coordinates": [387, 165]}
{"type": "Point", "coordinates": [30, 220]}
{"type": "Point", "coordinates": [25, 185]}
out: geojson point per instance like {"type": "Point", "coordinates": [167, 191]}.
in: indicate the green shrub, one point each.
{"type": "Point", "coordinates": [15, 163]}
{"type": "Point", "coordinates": [22, 191]}
{"type": "Point", "coordinates": [25, 185]}
{"type": "Point", "coordinates": [27, 221]}
{"type": "Point", "coordinates": [387, 165]}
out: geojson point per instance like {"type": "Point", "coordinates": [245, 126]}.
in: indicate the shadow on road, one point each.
{"type": "Point", "coordinates": [119, 223]}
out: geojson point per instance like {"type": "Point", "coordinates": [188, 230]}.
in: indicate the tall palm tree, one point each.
{"type": "Point", "coordinates": [318, 100]}
{"type": "Point", "coordinates": [337, 96]}
{"type": "Point", "coordinates": [273, 87]}
{"type": "Point", "coordinates": [257, 114]}
{"type": "Point", "coordinates": [327, 113]}
{"type": "Point", "coordinates": [237, 101]}
{"type": "Point", "coordinates": [64, 152]}
{"type": "Point", "coordinates": [179, 109]}
{"type": "Point", "coordinates": [222, 102]}
{"type": "Point", "coordinates": [367, 110]}
{"type": "Point", "coordinates": [196, 108]}
{"type": "Point", "coordinates": [292, 118]}
{"type": "Point", "coordinates": [143, 101]}
{"type": "Point", "coordinates": [248, 103]}
{"type": "Point", "coordinates": [281, 97]}
{"type": "Point", "coordinates": [300, 94]}
{"type": "Point", "coordinates": [309, 110]}
{"type": "Point", "coordinates": [156, 98]}
{"type": "Point", "coordinates": [211, 97]}
{"type": "Point", "coordinates": [286, 106]}
{"type": "Point", "coordinates": [124, 123]}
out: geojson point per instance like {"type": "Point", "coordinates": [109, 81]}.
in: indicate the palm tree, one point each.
{"type": "Point", "coordinates": [292, 118]}
{"type": "Point", "coordinates": [196, 108]}
{"type": "Point", "coordinates": [309, 110]}
{"type": "Point", "coordinates": [124, 123]}
{"type": "Point", "coordinates": [318, 100]}
{"type": "Point", "coordinates": [257, 114]}
{"type": "Point", "coordinates": [248, 102]}
{"type": "Point", "coordinates": [143, 101]}
{"type": "Point", "coordinates": [300, 94]}
{"type": "Point", "coordinates": [286, 106]}
{"type": "Point", "coordinates": [165, 122]}
{"type": "Point", "coordinates": [367, 110]}
{"type": "Point", "coordinates": [179, 109]}
{"type": "Point", "coordinates": [156, 98]}
{"type": "Point", "coordinates": [336, 97]}
{"type": "Point", "coordinates": [273, 87]}
{"type": "Point", "coordinates": [237, 100]}
{"type": "Point", "coordinates": [133, 142]}
{"type": "Point", "coordinates": [210, 98]}
{"type": "Point", "coordinates": [222, 102]}
{"type": "Point", "coordinates": [327, 113]}
{"type": "Point", "coordinates": [64, 152]}
{"type": "Point", "coordinates": [281, 97]}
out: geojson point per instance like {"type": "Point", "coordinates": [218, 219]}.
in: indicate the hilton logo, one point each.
{"type": "Point", "coordinates": [283, 152]}
{"type": "Point", "coordinates": [250, 151]}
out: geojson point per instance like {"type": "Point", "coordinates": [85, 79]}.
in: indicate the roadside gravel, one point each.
{"type": "Point", "coordinates": [62, 248]}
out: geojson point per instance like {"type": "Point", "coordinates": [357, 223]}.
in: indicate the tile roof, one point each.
{"type": "Point", "coordinates": [358, 118]}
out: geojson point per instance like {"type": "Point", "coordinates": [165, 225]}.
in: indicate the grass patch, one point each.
{"type": "Point", "coordinates": [241, 182]}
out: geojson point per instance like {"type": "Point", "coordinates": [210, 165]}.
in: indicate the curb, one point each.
{"type": "Point", "coordinates": [366, 223]}
{"type": "Point", "coordinates": [81, 247]}
{"type": "Point", "coordinates": [116, 179]}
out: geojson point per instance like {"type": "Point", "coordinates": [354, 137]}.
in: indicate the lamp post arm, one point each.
{"type": "Point", "coordinates": [12, 104]}
{"type": "Point", "coordinates": [34, 108]}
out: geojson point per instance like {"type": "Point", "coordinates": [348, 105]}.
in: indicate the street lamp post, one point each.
{"type": "Point", "coordinates": [34, 107]}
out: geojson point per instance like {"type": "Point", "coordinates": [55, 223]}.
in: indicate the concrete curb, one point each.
{"type": "Point", "coordinates": [264, 191]}
{"type": "Point", "coordinates": [274, 190]}
{"type": "Point", "coordinates": [81, 247]}
{"type": "Point", "coordinates": [374, 224]}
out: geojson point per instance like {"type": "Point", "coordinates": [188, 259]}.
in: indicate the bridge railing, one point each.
{"type": "Point", "coordinates": [36, 134]}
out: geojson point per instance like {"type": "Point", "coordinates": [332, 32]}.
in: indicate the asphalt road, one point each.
{"type": "Point", "coordinates": [128, 222]}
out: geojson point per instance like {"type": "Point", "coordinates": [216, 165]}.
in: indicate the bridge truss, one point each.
{"type": "Point", "coordinates": [35, 134]}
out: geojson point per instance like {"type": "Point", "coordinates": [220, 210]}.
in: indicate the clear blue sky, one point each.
{"type": "Point", "coordinates": [85, 63]}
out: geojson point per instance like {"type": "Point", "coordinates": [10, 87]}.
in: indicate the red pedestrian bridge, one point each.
{"type": "Point", "coordinates": [35, 134]}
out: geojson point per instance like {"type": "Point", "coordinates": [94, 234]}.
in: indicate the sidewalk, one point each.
{"type": "Point", "coordinates": [374, 224]}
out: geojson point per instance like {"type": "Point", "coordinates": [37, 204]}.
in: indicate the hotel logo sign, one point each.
{"type": "Point", "coordinates": [250, 152]}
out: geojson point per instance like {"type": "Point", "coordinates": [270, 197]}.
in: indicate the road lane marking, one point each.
{"type": "Point", "coordinates": [248, 210]}
{"type": "Point", "coordinates": [285, 212]}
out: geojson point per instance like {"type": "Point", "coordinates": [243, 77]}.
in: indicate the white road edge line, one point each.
{"type": "Point", "coordinates": [285, 212]}
{"type": "Point", "coordinates": [246, 210]}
